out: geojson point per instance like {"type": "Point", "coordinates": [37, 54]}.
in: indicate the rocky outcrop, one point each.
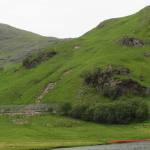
{"type": "Point", "coordinates": [118, 88]}
{"type": "Point", "coordinates": [131, 41]}
{"type": "Point", "coordinates": [110, 82]}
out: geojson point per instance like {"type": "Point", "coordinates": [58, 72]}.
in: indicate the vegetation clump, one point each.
{"type": "Point", "coordinates": [131, 41]}
{"type": "Point", "coordinates": [117, 112]}
{"type": "Point", "coordinates": [110, 83]}
{"type": "Point", "coordinates": [65, 108]}
{"type": "Point", "coordinates": [121, 112]}
{"type": "Point", "coordinates": [33, 60]}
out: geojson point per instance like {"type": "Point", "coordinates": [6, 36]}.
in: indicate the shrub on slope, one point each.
{"type": "Point", "coordinates": [33, 61]}
{"type": "Point", "coordinates": [118, 112]}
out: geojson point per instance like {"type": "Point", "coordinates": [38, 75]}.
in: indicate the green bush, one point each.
{"type": "Point", "coordinates": [33, 60]}
{"type": "Point", "coordinates": [103, 113]}
{"type": "Point", "coordinates": [65, 108]}
{"type": "Point", "coordinates": [88, 114]}
{"type": "Point", "coordinates": [78, 110]}
{"type": "Point", "coordinates": [121, 112]}
{"type": "Point", "coordinates": [117, 112]}
{"type": "Point", "coordinates": [142, 111]}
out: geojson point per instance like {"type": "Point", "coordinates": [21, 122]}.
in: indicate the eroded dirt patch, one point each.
{"type": "Point", "coordinates": [49, 87]}
{"type": "Point", "coordinates": [66, 72]}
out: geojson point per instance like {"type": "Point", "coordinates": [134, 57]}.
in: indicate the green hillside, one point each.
{"type": "Point", "coordinates": [16, 43]}
{"type": "Point", "coordinates": [99, 47]}
{"type": "Point", "coordinates": [108, 66]}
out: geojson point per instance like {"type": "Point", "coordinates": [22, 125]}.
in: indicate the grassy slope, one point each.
{"type": "Point", "coordinates": [98, 48]}
{"type": "Point", "coordinates": [15, 43]}
{"type": "Point", "coordinates": [53, 131]}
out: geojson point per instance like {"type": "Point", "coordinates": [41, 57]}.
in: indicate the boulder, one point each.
{"type": "Point", "coordinates": [131, 41]}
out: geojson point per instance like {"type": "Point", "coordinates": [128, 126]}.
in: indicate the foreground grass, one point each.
{"type": "Point", "coordinates": [39, 132]}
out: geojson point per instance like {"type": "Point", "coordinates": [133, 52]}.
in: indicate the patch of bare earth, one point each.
{"type": "Point", "coordinates": [67, 72]}
{"type": "Point", "coordinates": [49, 87]}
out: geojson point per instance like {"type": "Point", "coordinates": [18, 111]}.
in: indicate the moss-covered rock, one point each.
{"type": "Point", "coordinates": [109, 82]}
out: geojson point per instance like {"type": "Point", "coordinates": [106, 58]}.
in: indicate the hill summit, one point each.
{"type": "Point", "coordinates": [16, 43]}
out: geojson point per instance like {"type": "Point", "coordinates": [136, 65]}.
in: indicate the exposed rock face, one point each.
{"type": "Point", "coordinates": [101, 76]}
{"type": "Point", "coordinates": [124, 87]}
{"type": "Point", "coordinates": [131, 41]}
{"type": "Point", "coordinates": [108, 83]}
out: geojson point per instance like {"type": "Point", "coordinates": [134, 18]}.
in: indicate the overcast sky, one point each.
{"type": "Point", "coordinates": [64, 18]}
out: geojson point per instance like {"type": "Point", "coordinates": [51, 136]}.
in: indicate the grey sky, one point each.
{"type": "Point", "coordinates": [64, 18]}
